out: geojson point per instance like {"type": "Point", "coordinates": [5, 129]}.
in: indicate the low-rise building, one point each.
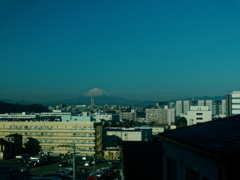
{"type": "Point", "coordinates": [106, 117]}
{"type": "Point", "coordinates": [130, 134]}
{"type": "Point", "coordinates": [198, 114]}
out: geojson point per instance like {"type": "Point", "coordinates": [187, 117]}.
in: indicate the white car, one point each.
{"type": "Point", "coordinates": [88, 164]}
{"type": "Point", "coordinates": [84, 158]}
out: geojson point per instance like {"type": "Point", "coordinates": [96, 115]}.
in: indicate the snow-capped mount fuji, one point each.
{"type": "Point", "coordinates": [100, 96]}
{"type": "Point", "coordinates": [96, 92]}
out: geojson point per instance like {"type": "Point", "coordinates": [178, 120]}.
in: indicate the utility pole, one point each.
{"type": "Point", "coordinates": [94, 167]}
{"type": "Point", "coordinates": [74, 159]}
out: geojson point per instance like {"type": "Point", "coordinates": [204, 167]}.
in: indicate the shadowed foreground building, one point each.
{"type": "Point", "coordinates": [206, 151]}
{"type": "Point", "coordinates": [142, 160]}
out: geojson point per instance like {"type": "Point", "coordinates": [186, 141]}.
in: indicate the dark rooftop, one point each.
{"type": "Point", "coordinates": [221, 137]}
{"type": "Point", "coordinates": [13, 135]}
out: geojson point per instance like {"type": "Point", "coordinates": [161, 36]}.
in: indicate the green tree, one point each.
{"type": "Point", "coordinates": [182, 122]}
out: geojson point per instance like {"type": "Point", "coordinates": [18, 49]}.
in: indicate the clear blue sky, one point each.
{"type": "Point", "coordinates": [144, 50]}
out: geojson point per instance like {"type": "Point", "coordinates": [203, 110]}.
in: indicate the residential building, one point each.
{"type": "Point", "coordinates": [233, 103]}
{"type": "Point", "coordinates": [106, 117]}
{"type": "Point", "coordinates": [202, 152]}
{"type": "Point", "coordinates": [161, 116]}
{"type": "Point", "coordinates": [131, 116]}
{"type": "Point", "coordinates": [198, 114]}
{"type": "Point", "coordinates": [87, 136]}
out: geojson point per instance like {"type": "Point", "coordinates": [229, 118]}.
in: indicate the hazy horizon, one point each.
{"type": "Point", "coordinates": [139, 50]}
{"type": "Point", "coordinates": [41, 98]}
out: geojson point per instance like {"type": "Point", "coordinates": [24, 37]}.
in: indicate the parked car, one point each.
{"type": "Point", "coordinates": [88, 163]}
{"type": "Point", "coordinates": [62, 164]}
{"type": "Point", "coordinates": [36, 177]}
{"type": "Point", "coordinates": [111, 162]}
{"type": "Point", "coordinates": [84, 158]}
{"type": "Point", "coordinates": [14, 169]}
{"type": "Point", "coordinates": [24, 169]}
{"type": "Point", "coordinates": [98, 174]}
{"type": "Point", "coordinates": [105, 169]}
{"type": "Point", "coordinates": [22, 156]}
{"type": "Point", "coordinates": [119, 158]}
{"type": "Point", "coordinates": [91, 177]}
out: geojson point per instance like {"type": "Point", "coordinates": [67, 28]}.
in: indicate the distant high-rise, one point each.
{"type": "Point", "coordinates": [233, 103]}
{"type": "Point", "coordinates": [182, 107]}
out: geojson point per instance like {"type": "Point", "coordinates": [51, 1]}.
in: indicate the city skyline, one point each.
{"type": "Point", "coordinates": [156, 51]}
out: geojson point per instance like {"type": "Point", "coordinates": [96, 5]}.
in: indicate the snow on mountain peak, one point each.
{"type": "Point", "coordinates": [96, 92]}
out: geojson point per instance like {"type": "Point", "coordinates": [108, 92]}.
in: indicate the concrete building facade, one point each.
{"type": "Point", "coordinates": [198, 114]}
{"type": "Point", "coordinates": [233, 103]}
{"type": "Point", "coordinates": [86, 136]}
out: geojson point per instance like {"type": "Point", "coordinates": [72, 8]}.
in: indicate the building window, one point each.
{"type": "Point", "coordinates": [199, 118]}
{"type": "Point", "coordinates": [171, 169]}
{"type": "Point", "coordinates": [191, 174]}
{"type": "Point", "coordinates": [199, 114]}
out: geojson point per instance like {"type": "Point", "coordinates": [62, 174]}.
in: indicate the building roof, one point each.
{"type": "Point", "coordinates": [13, 135]}
{"type": "Point", "coordinates": [219, 137]}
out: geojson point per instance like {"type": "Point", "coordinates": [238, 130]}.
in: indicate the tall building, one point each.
{"type": "Point", "coordinates": [179, 108]}
{"type": "Point", "coordinates": [182, 107]}
{"type": "Point", "coordinates": [233, 103]}
{"type": "Point", "coordinates": [216, 106]}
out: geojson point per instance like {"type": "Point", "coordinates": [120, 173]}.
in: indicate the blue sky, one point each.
{"type": "Point", "coordinates": [144, 50]}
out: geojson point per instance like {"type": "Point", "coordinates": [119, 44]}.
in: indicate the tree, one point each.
{"type": "Point", "coordinates": [182, 122]}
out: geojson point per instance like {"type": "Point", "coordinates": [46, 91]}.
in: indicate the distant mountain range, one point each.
{"type": "Point", "coordinates": [101, 97]}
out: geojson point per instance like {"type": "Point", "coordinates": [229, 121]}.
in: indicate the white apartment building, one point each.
{"type": "Point", "coordinates": [106, 117]}
{"type": "Point", "coordinates": [55, 113]}
{"type": "Point", "coordinates": [233, 103]}
{"type": "Point", "coordinates": [160, 116]}
{"type": "Point", "coordinates": [132, 116]}
{"type": "Point", "coordinates": [198, 114]}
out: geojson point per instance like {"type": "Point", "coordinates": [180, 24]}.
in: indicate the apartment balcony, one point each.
{"type": "Point", "coordinates": [60, 143]}
{"type": "Point", "coordinates": [90, 130]}
{"type": "Point", "coordinates": [70, 150]}
{"type": "Point", "coordinates": [60, 136]}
